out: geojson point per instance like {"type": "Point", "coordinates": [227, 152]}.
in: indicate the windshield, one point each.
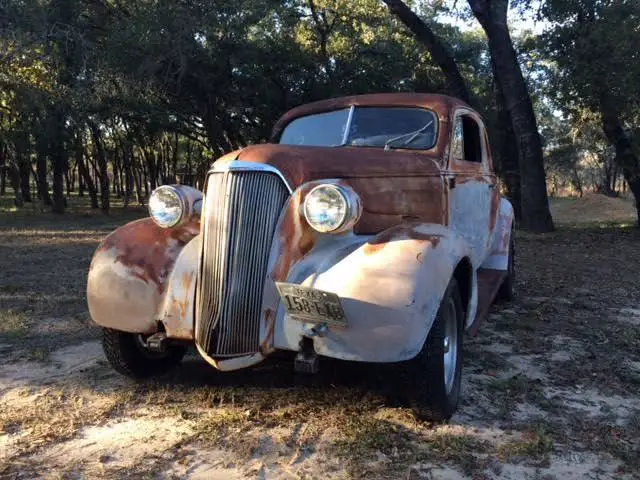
{"type": "Point", "coordinates": [387, 127]}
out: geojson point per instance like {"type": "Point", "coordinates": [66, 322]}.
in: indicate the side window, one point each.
{"type": "Point", "coordinates": [472, 140]}
{"type": "Point", "coordinates": [467, 141]}
{"type": "Point", "coordinates": [457, 147]}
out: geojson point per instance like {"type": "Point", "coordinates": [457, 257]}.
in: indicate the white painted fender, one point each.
{"type": "Point", "coordinates": [498, 258]}
{"type": "Point", "coordinates": [390, 286]}
{"type": "Point", "coordinates": [178, 302]}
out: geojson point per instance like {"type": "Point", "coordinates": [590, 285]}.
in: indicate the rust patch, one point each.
{"type": "Point", "coordinates": [435, 240]}
{"type": "Point", "coordinates": [495, 207]}
{"type": "Point", "coordinates": [270, 324]}
{"type": "Point", "coordinates": [465, 178]}
{"type": "Point", "coordinates": [295, 237]}
{"type": "Point", "coordinates": [228, 157]}
{"type": "Point", "coordinates": [187, 278]}
{"type": "Point", "coordinates": [147, 249]}
{"type": "Point", "coordinates": [386, 201]}
{"type": "Point", "coordinates": [181, 306]}
{"type": "Point", "coordinates": [373, 248]}
{"type": "Point", "coordinates": [407, 231]}
{"type": "Point", "coordinates": [302, 164]}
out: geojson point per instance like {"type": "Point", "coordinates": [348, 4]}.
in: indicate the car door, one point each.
{"type": "Point", "coordinates": [471, 184]}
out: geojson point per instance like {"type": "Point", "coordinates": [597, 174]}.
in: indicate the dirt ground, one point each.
{"type": "Point", "coordinates": [550, 390]}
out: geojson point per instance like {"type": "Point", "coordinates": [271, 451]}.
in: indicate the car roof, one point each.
{"type": "Point", "coordinates": [440, 104]}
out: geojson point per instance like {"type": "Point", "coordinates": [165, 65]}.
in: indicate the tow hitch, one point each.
{"type": "Point", "coordinates": [306, 360]}
{"type": "Point", "coordinates": [157, 342]}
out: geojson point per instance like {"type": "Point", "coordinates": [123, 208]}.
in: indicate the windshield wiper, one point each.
{"type": "Point", "coordinates": [411, 135]}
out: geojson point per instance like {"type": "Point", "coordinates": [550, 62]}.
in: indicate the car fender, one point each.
{"type": "Point", "coordinates": [498, 258]}
{"type": "Point", "coordinates": [390, 285]}
{"type": "Point", "coordinates": [131, 272]}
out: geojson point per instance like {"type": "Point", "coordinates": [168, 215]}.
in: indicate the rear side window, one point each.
{"type": "Point", "coordinates": [472, 140]}
{"type": "Point", "coordinates": [467, 141]}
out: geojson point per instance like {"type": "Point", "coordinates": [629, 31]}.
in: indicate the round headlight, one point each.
{"type": "Point", "coordinates": [329, 208]}
{"type": "Point", "coordinates": [166, 206]}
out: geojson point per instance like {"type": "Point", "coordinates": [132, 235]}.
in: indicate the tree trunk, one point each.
{"type": "Point", "coordinates": [492, 15]}
{"type": "Point", "coordinates": [84, 174]}
{"type": "Point", "coordinates": [137, 177]}
{"type": "Point", "coordinates": [128, 175]}
{"type": "Point", "coordinates": [42, 148]}
{"type": "Point", "coordinates": [576, 182]}
{"type": "Point", "coordinates": [58, 157]}
{"type": "Point", "coordinates": [614, 179]}
{"type": "Point", "coordinates": [3, 163]}
{"type": "Point", "coordinates": [67, 181]}
{"type": "Point", "coordinates": [115, 189]}
{"type": "Point", "coordinates": [14, 179]}
{"type": "Point", "coordinates": [455, 84]}
{"type": "Point", "coordinates": [24, 169]}
{"type": "Point", "coordinates": [508, 152]}
{"type": "Point", "coordinates": [102, 166]}
{"type": "Point", "coordinates": [625, 156]}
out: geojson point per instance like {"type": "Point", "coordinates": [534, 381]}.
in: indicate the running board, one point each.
{"type": "Point", "coordinates": [489, 282]}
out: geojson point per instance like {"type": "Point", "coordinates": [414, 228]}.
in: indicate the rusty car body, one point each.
{"type": "Point", "coordinates": [427, 237]}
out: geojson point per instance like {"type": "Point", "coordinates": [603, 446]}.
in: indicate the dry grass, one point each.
{"type": "Point", "coordinates": [594, 209]}
{"type": "Point", "coordinates": [53, 414]}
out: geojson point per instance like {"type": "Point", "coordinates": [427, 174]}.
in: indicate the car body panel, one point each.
{"type": "Point", "coordinates": [390, 286]}
{"type": "Point", "coordinates": [129, 273]}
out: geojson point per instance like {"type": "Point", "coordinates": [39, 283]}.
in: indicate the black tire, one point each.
{"type": "Point", "coordinates": [426, 385]}
{"type": "Point", "coordinates": [129, 357]}
{"type": "Point", "coordinates": [507, 291]}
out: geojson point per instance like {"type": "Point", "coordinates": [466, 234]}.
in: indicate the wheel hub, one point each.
{"type": "Point", "coordinates": [450, 345]}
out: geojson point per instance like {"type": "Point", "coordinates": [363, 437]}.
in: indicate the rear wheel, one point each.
{"type": "Point", "coordinates": [127, 353]}
{"type": "Point", "coordinates": [434, 375]}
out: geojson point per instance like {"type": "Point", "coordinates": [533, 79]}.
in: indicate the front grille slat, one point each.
{"type": "Point", "coordinates": [240, 216]}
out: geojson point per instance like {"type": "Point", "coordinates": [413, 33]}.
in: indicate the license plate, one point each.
{"type": "Point", "coordinates": [312, 305]}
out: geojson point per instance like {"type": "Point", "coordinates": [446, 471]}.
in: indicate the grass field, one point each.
{"type": "Point", "coordinates": [550, 383]}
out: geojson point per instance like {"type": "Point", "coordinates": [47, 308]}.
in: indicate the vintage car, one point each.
{"type": "Point", "coordinates": [370, 229]}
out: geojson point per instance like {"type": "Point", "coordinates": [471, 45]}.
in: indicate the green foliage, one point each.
{"type": "Point", "coordinates": [595, 47]}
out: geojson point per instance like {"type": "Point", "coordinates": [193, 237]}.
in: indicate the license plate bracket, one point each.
{"type": "Point", "coordinates": [311, 305]}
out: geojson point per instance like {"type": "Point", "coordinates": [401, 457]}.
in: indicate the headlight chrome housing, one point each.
{"type": "Point", "coordinates": [331, 208]}
{"type": "Point", "coordinates": [167, 206]}
{"type": "Point", "coordinates": [173, 205]}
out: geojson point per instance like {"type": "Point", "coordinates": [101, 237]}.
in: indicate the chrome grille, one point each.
{"type": "Point", "coordinates": [240, 215]}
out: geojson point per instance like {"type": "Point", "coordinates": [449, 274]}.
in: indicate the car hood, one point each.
{"type": "Point", "coordinates": [300, 164]}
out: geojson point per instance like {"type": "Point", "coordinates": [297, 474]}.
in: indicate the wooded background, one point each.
{"type": "Point", "coordinates": [115, 97]}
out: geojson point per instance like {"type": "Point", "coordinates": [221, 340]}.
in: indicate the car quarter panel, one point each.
{"type": "Point", "coordinates": [498, 258]}
{"type": "Point", "coordinates": [129, 272]}
{"type": "Point", "coordinates": [390, 286]}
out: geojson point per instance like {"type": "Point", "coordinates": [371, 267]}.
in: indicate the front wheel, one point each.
{"type": "Point", "coordinates": [434, 375]}
{"type": "Point", "coordinates": [128, 355]}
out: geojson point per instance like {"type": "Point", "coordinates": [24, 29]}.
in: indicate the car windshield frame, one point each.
{"type": "Point", "coordinates": [346, 139]}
